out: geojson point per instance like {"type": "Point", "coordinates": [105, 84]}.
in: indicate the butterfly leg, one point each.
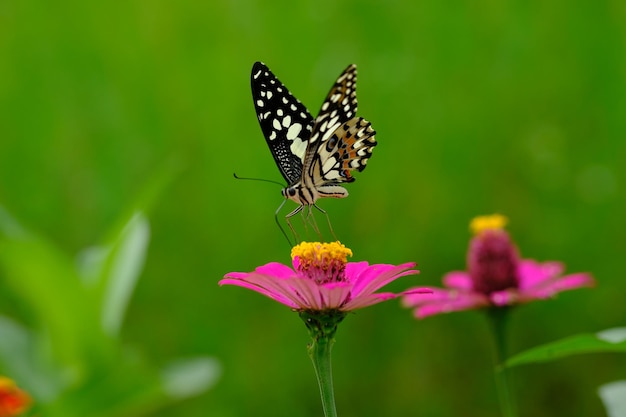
{"type": "Point", "coordinates": [280, 226]}
{"type": "Point", "coordinates": [288, 220]}
{"type": "Point", "coordinates": [310, 218]}
{"type": "Point", "coordinates": [330, 226]}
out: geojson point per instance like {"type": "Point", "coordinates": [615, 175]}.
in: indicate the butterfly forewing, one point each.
{"type": "Point", "coordinates": [339, 107]}
{"type": "Point", "coordinates": [285, 121]}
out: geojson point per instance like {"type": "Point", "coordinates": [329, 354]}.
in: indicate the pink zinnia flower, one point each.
{"type": "Point", "coordinates": [495, 276]}
{"type": "Point", "coordinates": [322, 279]}
{"type": "Point", "coordinates": [322, 287]}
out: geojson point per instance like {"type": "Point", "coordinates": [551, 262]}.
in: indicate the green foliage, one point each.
{"type": "Point", "coordinates": [72, 360]}
{"type": "Point", "coordinates": [611, 340]}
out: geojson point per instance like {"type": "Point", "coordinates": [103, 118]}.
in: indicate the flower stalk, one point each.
{"type": "Point", "coordinates": [322, 326]}
{"type": "Point", "coordinates": [498, 318]}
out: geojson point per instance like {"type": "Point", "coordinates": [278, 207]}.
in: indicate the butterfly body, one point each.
{"type": "Point", "coordinates": [314, 155]}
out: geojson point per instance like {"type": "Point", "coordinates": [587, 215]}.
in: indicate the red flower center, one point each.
{"type": "Point", "coordinates": [492, 262]}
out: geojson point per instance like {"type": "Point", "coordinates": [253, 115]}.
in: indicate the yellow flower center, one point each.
{"type": "Point", "coordinates": [492, 222]}
{"type": "Point", "coordinates": [322, 262]}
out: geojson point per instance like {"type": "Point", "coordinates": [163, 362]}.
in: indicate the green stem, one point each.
{"type": "Point", "coordinates": [319, 351]}
{"type": "Point", "coordinates": [498, 318]}
{"type": "Point", "coordinates": [322, 326]}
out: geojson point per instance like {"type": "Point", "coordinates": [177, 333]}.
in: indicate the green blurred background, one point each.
{"type": "Point", "coordinates": [480, 106]}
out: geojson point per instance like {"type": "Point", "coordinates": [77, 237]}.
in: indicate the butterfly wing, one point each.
{"type": "Point", "coordinates": [340, 142]}
{"type": "Point", "coordinates": [339, 107]}
{"type": "Point", "coordinates": [285, 121]}
{"type": "Point", "coordinates": [348, 148]}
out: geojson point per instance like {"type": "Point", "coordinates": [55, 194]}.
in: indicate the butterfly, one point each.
{"type": "Point", "coordinates": [314, 155]}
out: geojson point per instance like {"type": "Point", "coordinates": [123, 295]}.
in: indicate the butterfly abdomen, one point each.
{"type": "Point", "coordinates": [307, 196]}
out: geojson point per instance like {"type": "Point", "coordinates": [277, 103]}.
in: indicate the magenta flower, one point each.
{"type": "Point", "coordinates": [322, 279]}
{"type": "Point", "coordinates": [495, 276]}
{"type": "Point", "coordinates": [323, 287]}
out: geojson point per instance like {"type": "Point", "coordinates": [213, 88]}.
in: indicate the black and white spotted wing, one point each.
{"type": "Point", "coordinates": [285, 121]}
{"type": "Point", "coordinates": [339, 107]}
{"type": "Point", "coordinates": [314, 155]}
{"type": "Point", "coordinates": [343, 142]}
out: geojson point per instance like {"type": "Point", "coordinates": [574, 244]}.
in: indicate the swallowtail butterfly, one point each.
{"type": "Point", "coordinates": [314, 155]}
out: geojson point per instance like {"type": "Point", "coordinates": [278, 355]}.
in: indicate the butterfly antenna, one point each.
{"type": "Point", "coordinates": [330, 226]}
{"type": "Point", "coordinates": [257, 179]}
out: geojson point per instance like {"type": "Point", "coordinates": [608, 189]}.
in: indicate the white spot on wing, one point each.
{"type": "Point", "coordinates": [259, 103]}
{"type": "Point", "coordinates": [298, 147]}
{"type": "Point", "coordinates": [269, 94]}
{"type": "Point", "coordinates": [276, 125]}
{"type": "Point", "coordinates": [257, 74]}
{"type": "Point", "coordinates": [279, 112]}
{"type": "Point", "coordinates": [273, 135]}
{"type": "Point", "coordinates": [332, 126]}
{"type": "Point", "coordinates": [287, 121]}
{"type": "Point", "coordinates": [294, 131]}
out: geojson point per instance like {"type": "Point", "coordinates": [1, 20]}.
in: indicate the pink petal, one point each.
{"type": "Point", "coordinates": [261, 284]}
{"type": "Point", "coordinates": [462, 301]}
{"type": "Point", "coordinates": [377, 276]}
{"type": "Point", "coordinates": [532, 273]}
{"type": "Point", "coordinates": [443, 301]}
{"type": "Point", "coordinates": [368, 300]}
{"type": "Point", "coordinates": [334, 295]}
{"type": "Point", "coordinates": [413, 298]}
{"type": "Point", "coordinates": [549, 288]}
{"type": "Point", "coordinates": [362, 277]}
{"type": "Point", "coordinates": [275, 269]}
{"type": "Point", "coordinates": [459, 280]}
{"type": "Point", "coordinates": [354, 269]}
{"type": "Point", "coordinates": [306, 292]}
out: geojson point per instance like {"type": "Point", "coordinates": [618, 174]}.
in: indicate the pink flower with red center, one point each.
{"type": "Point", "coordinates": [322, 279]}
{"type": "Point", "coordinates": [495, 276]}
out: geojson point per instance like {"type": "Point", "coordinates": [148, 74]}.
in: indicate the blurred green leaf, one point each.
{"type": "Point", "coordinates": [116, 269]}
{"type": "Point", "coordinates": [47, 282]}
{"type": "Point", "coordinates": [188, 377]}
{"type": "Point", "coordinates": [611, 340]}
{"type": "Point", "coordinates": [613, 397]}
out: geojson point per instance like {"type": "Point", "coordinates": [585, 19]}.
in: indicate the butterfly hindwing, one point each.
{"type": "Point", "coordinates": [347, 149]}
{"type": "Point", "coordinates": [285, 121]}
